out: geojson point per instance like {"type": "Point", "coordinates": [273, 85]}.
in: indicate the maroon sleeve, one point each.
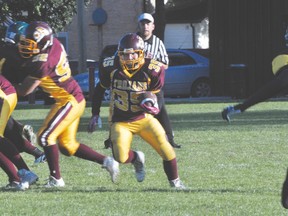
{"type": "Point", "coordinates": [156, 71]}
{"type": "Point", "coordinates": [105, 69]}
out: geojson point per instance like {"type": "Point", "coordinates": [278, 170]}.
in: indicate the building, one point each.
{"type": "Point", "coordinates": [121, 18]}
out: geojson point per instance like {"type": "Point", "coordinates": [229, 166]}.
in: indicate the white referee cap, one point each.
{"type": "Point", "coordinates": [146, 16]}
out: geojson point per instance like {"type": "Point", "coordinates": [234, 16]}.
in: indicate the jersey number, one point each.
{"type": "Point", "coordinates": [62, 69]}
{"type": "Point", "coordinates": [123, 101]}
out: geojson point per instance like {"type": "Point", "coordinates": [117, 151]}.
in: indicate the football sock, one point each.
{"type": "Point", "coordinates": [87, 153]}
{"type": "Point", "coordinates": [170, 168]}
{"type": "Point", "coordinates": [52, 155]}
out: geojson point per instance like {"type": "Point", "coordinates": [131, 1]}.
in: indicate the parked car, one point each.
{"type": "Point", "coordinates": [83, 81]}
{"type": "Point", "coordinates": [187, 75]}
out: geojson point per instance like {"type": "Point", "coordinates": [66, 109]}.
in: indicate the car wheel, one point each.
{"type": "Point", "coordinates": [201, 88]}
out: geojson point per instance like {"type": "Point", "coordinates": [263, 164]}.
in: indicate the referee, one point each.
{"type": "Point", "coordinates": [155, 49]}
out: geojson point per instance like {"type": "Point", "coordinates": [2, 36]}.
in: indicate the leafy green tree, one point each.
{"type": "Point", "coordinates": [58, 13]}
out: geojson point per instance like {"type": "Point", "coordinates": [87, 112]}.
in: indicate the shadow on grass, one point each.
{"type": "Point", "coordinates": [42, 189]}
{"type": "Point", "coordinates": [191, 121]}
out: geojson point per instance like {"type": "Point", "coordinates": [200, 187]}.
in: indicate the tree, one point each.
{"type": "Point", "coordinates": [58, 13]}
{"type": "Point", "coordinates": [160, 21]}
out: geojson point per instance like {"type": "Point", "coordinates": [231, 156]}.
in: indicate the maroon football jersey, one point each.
{"type": "Point", "coordinates": [52, 68]}
{"type": "Point", "coordinates": [6, 86]}
{"type": "Point", "coordinates": [125, 89]}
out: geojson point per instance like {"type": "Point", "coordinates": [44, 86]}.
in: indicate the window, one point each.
{"type": "Point", "coordinates": [176, 59]}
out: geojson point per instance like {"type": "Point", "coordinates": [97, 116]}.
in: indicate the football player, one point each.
{"type": "Point", "coordinates": [129, 115]}
{"type": "Point", "coordinates": [154, 49]}
{"type": "Point", "coordinates": [274, 87]}
{"type": "Point", "coordinates": [21, 135]}
{"type": "Point", "coordinates": [10, 157]}
{"type": "Point", "coordinates": [46, 66]}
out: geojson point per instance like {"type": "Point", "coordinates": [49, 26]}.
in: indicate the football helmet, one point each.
{"type": "Point", "coordinates": [14, 31]}
{"type": "Point", "coordinates": [129, 44]}
{"type": "Point", "coordinates": [37, 37]}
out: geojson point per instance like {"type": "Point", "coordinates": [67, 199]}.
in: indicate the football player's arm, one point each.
{"type": "Point", "coordinates": [163, 55]}
{"type": "Point", "coordinates": [157, 78]}
{"type": "Point", "coordinates": [97, 98]}
{"type": "Point", "coordinates": [99, 89]}
{"type": "Point", "coordinates": [96, 104]}
{"type": "Point", "coordinates": [28, 85]}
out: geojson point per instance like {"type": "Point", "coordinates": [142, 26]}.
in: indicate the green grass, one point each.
{"type": "Point", "coordinates": [230, 169]}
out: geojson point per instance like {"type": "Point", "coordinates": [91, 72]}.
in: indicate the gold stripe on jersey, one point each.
{"type": "Point", "coordinates": [1, 64]}
{"type": "Point", "coordinates": [128, 74]}
{"type": "Point", "coordinates": [279, 62]}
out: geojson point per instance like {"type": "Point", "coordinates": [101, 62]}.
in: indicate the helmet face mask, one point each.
{"type": "Point", "coordinates": [37, 37]}
{"type": "Point", "coordinates": [131, 44]}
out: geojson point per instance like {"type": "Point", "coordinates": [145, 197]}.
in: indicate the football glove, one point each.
{"type": "Point", "coordinates": [94, 120]}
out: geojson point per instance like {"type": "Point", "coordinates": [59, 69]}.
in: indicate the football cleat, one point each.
{"type": "Point", "coordinates": [17, 186]}
{"type": "Point", "coordinates": [41, 159]}
{"type": "Point", "coordinates": [28, 133]}
{"type": "Point", "coordinates": [177, 184]}
{"type": "Point", "coordinates": [27, 176]}
{"type": "Point", "coordinates": [14, 185]}
{"type": "Point", "coordinates": [53, 182]}
{"type": "Point", "coordinates": [112, 167]}
{"type": "Point", "coordinates": [139, 166]}
{"type": "Point", "coordinates": [284, 194]}
{"type": "Point", "coordinates": [228, 111]}
{"type": "Point", "coordinates": [107, 143]}
{"type": "Point", "coordinates": [174, 145]}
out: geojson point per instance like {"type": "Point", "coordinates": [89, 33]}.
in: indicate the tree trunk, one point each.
{"type": "Point", "coordinates": [160, 20]}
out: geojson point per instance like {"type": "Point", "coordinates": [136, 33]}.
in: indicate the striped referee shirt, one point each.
{"type": "Point", "coordinates": [155, 49]}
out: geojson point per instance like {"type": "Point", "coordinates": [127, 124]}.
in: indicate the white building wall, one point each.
{"type": "Point", "coordinates": [178, 36]}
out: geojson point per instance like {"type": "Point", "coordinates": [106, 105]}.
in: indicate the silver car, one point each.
{"type": "Point", "coordinates": [187, 74]}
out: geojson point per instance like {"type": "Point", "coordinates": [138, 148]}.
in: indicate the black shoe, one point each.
{"type": "Point", "coordinates": [107, 143]}
{"type": "Point", "coordinates": [284, 195]}
{"type": "Point", "coordinates": [174, 145]}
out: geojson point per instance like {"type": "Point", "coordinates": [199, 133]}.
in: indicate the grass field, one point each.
{"type": "Point", "coordinates": [230, 169]}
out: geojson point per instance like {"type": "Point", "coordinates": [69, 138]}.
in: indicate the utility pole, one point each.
{"type": "Point", "coordinates": [81, 36]}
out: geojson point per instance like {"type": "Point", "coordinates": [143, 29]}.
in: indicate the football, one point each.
{"type": "Point", "coordinates": [147, 97]}
{"type": "Point", "coordinates": [148, 102]}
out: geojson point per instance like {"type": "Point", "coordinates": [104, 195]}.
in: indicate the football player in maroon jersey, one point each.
{"type": "Point", "coordinates": [154, 49]}
{"type": "Point", "coordinates": [46, 66]}
{"type": "Point", "coordinates": [21, 135]}
{"type": "Point", "coordinates": [134, 76]}
{"type": "Point", "coordinates": [10, 157]}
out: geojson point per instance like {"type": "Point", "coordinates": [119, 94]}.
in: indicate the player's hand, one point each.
{"type": "Point", "coordinates": [94, 120]}
{"type": "Point", "coordinates": [150, 107]}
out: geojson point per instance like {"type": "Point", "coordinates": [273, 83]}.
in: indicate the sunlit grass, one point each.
{"type": "Point", "coordinates": [229, 169]}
